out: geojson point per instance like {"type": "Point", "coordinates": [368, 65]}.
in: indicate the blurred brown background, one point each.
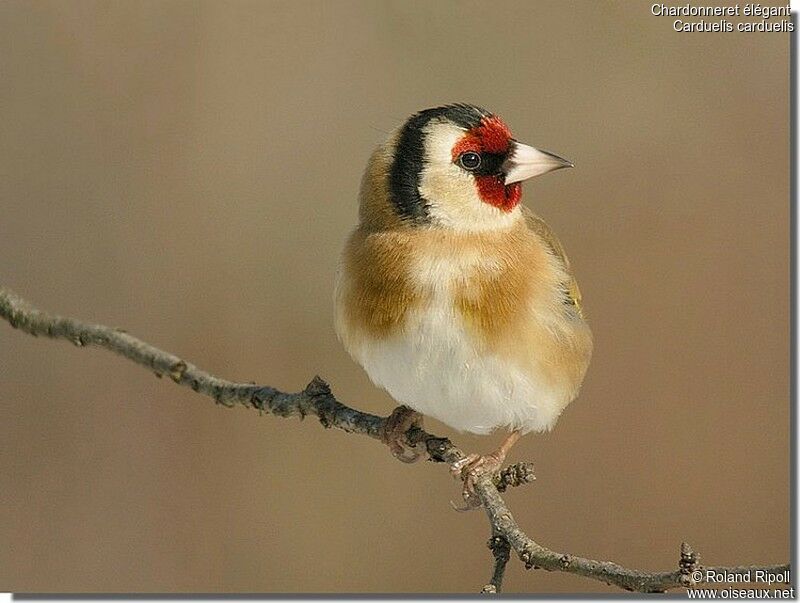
{"type": "Point", "coordinates": [188, 171]}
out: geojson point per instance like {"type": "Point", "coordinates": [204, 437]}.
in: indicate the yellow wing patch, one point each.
{"type": "Point", "coordinates": [540, 227]}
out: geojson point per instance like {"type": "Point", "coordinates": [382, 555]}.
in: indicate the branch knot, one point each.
{"type": "Point", "coordinates": [514, 475]}
{"type": "Point", "coordinates": [177, 370]}
{"type": "Point", "coordinates": [687, 564]}
{"type": "Point", "coordinates": [438, 448]}
{"type": "Point", "coordinates": [319, 395]}
{"type": "Point", "coordinates": [526, 557]}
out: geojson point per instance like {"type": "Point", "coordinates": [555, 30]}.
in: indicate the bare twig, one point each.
{"type": "Point", "coordinates": [317, 399]}
{"type": "Point", "coordinates": [501, 551]}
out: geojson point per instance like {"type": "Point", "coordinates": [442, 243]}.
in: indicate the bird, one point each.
{"type": "Point", "coordinates": [455, 298]}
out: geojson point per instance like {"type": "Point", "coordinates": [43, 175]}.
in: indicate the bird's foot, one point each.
{"type": "Point", "coordinates": [394, 433]}
{"type": "Point", "coordinates": [471, 468]}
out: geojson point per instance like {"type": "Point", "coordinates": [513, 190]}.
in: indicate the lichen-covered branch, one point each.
{"type": "Point", "coordinates": [317, 399]}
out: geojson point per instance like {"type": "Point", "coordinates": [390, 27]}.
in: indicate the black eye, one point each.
{"type": "Point", "coordinates": [469, 160]}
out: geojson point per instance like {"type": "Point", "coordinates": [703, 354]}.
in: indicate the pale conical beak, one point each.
{"type": "Point", "coordinates": [526, 162]}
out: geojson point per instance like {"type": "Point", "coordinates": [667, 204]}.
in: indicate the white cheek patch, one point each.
{"type": "Point", "coordinates": [450, 191]}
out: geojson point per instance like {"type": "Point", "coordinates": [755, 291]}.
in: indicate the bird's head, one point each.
{"type": "Point", "coordinates": [456, 166]}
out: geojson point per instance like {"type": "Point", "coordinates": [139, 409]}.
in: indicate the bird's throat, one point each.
{"type": "Point", "coordinates": [494, 191]}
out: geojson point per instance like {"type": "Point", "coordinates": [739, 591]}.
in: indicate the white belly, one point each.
{"type": "Point", "coordinates": [433, 366]}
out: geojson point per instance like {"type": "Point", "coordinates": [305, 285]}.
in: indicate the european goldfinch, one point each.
{"type": "Point", "coordinates": [453, 297]}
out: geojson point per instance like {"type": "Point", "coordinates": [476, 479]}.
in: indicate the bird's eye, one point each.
{"type": "Point", "coordinates": [469, 160]}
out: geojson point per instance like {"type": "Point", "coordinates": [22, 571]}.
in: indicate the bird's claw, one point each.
{"type": "Point", "coordinates": [394, 430]}
{"type": "Point", "coordinates": [470, 469]}
{"type": "Point", "coordinates": [473, 503]}
{"type": "Point", "coordinates": [404, 454]}
{"type": "Point", "coordinates": [457, 468]}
